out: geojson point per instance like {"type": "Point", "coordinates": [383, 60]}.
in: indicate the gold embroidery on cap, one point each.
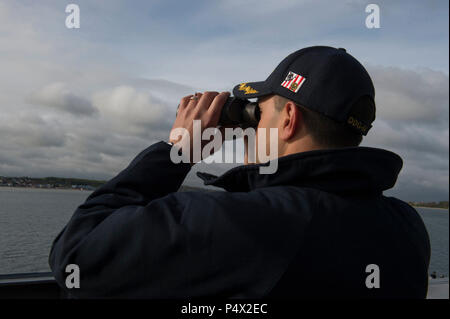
{"type": "Point", "coordinates": [247, 89]}
{"type": "Point", "coordinates": [360, 126]}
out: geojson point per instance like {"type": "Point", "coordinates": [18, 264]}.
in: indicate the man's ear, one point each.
{"type": "Point", "coordinates": [290, 119]}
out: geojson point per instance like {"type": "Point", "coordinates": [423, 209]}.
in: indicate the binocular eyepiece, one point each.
{"type": "Point", "coordinates": [239, 112]}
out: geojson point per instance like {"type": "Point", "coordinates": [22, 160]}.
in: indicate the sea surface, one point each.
{"type": "Point", "coordinates": [31, 218]}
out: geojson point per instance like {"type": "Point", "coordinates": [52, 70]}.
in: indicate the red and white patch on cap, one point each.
{"type": "Point", "coordinates": [293, 81]}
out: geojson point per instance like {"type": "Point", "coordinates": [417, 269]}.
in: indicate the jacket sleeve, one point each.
{"type": "Point", "coordinates": [136, 237]}
{"type": "Point", "coordinates": [112, 210]}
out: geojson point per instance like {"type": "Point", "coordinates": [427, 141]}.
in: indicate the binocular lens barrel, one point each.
{"type": "Point", "coordinates": [239, 112]}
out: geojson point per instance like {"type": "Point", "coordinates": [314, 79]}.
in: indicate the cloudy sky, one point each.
{"type": "Point", "coordinates": [83, 102]}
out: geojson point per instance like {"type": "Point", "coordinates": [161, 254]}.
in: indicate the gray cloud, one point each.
{"type": "Point", "coordinates": [128, 106]}
{"type": "Point", "coordinates": [411, 96]}
{"type": "Point", "coordinates": [30, 130]}
{"type": "Point", "coordinates": [58, 95]}
{"type": "Point", "coordinates": [412, 120]}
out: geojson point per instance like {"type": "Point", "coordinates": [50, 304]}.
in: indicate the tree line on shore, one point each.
{"type": "Point", "coordinates": [49, 182]}
{"type": "Point", "coordinates": [441, 204]}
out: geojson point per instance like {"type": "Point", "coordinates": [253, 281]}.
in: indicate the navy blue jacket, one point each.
{"type": "Point", "coordinates": [308, 230]}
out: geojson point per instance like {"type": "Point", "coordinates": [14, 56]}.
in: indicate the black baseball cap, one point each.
{"type": "Point", "coordinates": [324, 79]}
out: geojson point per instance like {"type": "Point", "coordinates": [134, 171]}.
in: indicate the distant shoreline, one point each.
{"type": "Point", "coordinates": [183, 188]}
{"type": "Point", "coordinates": [431, 207]}
{"type": "Point", "coordinates": [47, 188]}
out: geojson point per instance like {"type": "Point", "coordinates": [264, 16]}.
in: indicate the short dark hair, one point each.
{"type": "Point", "coordinates": [326, 132]}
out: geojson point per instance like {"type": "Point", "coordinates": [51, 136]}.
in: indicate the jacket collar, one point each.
{"type": "Point", "coordinates": [350, 170]}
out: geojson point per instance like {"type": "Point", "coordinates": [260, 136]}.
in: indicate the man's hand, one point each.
{"type": "Point", "coordinates": [207, 108]}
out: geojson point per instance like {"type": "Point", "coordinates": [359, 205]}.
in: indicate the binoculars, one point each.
{"type": "Point", "coordinates": [239, 112]}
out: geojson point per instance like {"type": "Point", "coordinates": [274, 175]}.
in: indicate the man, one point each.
{"type": "Point", "coordinates": [317, 227]}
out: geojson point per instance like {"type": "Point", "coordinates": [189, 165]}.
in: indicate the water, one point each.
{"type": "Point", "coordinates": [29, 221]}
{"type": "Point", "coordinates": [436, 221]}
{"type": "Point", "coordinates": [31, 218]}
